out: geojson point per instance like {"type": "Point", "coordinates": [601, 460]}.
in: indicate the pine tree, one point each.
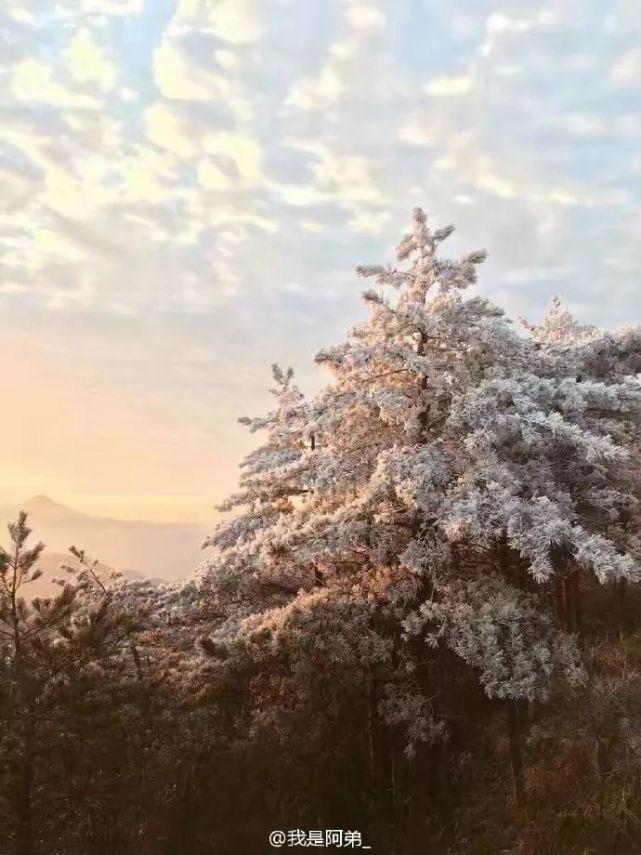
{"type": "Point", "coordinates": [454, 480]}
{"type": "Point", "coordinates": [74, 694]}
{"type": "Point", "coordinates": [22, 630]}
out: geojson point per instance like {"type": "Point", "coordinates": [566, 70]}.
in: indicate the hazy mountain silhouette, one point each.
{"type": "Point", "coordinates": [155, 549]}
{"type": "Point", "coordinates": [46, 505]}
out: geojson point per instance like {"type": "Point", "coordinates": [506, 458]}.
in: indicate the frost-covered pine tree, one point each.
{"type": "Point", "coordinates": [445, 486]}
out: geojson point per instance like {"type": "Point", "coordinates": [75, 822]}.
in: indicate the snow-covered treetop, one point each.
{"type": "Point", "coordinates": [558, 329]}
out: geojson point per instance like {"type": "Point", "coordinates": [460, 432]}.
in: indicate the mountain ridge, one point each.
{"type": "Point", "coordinates": [42, 503]}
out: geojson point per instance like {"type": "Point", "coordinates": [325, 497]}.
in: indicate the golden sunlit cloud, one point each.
{"type": "Point", "coordinates": [448, 86]}
{"type": "Point", "coordinates": [33, 81]}
{"type": "Point", "coordinates": [235, 21]}
{"type": "Point", "coordinates": [87, 61]}
{"type": "Point", "coordinates": [179, 79]}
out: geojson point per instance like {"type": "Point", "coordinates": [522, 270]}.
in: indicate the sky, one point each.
{"type": "Point", "coordinates": [186, 187]}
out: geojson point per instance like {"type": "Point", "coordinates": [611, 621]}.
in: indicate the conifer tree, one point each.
{"type": "Point", "coordinates": [24, 628]}
{"type": "Point", "coordinates": [452, 480]}
{"type": "Point", "coordinates": [71, 679]}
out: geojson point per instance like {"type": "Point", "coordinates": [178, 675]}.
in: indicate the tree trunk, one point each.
{"type": "Point", "coordinates": [620, 591]}
{"type": "Point", "coordinates": [516, 756]}
{"type": "Point", "coordinates": [573, 602]}
{"type": "Point", "coordinates": [23, 796]}
{"type": "Point", "coordinates": [562, 601]}
{"type": "Point", "coordinates": [371, 724]}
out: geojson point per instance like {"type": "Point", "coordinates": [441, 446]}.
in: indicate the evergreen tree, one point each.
{"type": "Point", "coordinates": [25, 630]}
{"type": "Point", "coordinates": [453, 482]}
{"type": "Point", "coordinates": [73, 706]}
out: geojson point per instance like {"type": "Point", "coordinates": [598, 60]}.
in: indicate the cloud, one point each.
{"type": "Point", "coordinates": [359, 29]}
{"type": "Point", "coordinates": [415, 130]}
{"type": "Point", "coordinates": [237, 117]}
{"type": "Point", "coordinates": [499, 26]}
{"type": "Point", "coordinates": [168, 130]}
{"type": "Point", "coordinates": [120, 8]}
{"type": "Point", "coordinates": [447, 86]}
{"type": "Point", "coordinates": [178, 78]}
{"type": "Point", "coordinates": [148, 175]}
{"type": "Point", "coordinates": [23, 15]}
{"type": "Point", "coordinates": [317, 93]}
{"type": "Point", "coordinates": [365, 16]}
{"type": "Point", "coordinates": [203, 52]}
{"type": "Point", "coordinates": [312, 226]}
{"type": "Point", "coordinates": [240, 149]}
{"type": "Point", "coordinates": [175, 129]}
{"type": "Point", "coordinates": [344, 179]}
{"type": "Point", "coordinates": [88, 62]}
{"type": "Point", "coordinates": [212, 177]}
{"type": "Point", "coordinates": [33, 81]}
{"type": "Point", "coordinates": [490, 179]}
{"type": "Point", "coordinates": [627, 69]}
{"type": "Point", "coordinates": [15, 189]}
{"type": "Point", "coordinates": [234, 21]}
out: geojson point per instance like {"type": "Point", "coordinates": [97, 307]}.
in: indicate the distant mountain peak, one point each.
{"type": "Point", "coordinates": [43, 504]}
{"type": "Point", "coordinates": [159, 550]}
{"type": "Point", "coordinates": [40, 499]}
